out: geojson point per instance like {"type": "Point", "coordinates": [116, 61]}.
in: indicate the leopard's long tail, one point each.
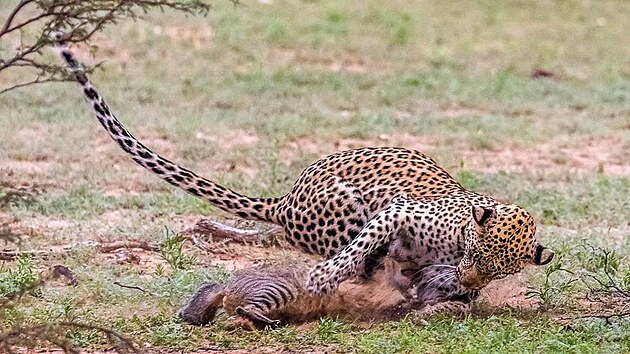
{"type": "Point", "coordinates": [264, 209]}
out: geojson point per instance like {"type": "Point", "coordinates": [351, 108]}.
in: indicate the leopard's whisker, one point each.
{"type": "Point", "coordinates": [447, 266]}
{"type": "Point", "coordinates": [438, 277]}
{"type": "Point", "coordinates": [435, 289]}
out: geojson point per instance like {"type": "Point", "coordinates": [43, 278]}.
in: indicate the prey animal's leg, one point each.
{"type": "Point", "coordinates": [256, 316]}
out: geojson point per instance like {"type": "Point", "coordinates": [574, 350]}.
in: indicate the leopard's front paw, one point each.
{"type": "Point", "coordinates": [324, 278]}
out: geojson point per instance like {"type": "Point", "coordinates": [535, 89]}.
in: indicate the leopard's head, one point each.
{"type": "Point", "coordinates": [500, 240]}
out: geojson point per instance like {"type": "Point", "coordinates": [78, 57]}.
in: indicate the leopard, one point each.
{"type": "Point", "coordinates": [355, 207]}
{"type": "Point", "coordinates": [275, 296]}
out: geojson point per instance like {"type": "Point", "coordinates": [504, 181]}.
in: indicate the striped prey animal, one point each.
{"type": "Point", "coordinates": [355, 206]}
{"type": "Point", "coordinates": [272, 296]}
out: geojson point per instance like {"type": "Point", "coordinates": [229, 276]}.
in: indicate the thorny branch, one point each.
{"type": "Point", "coordinates": [56, 334]}
{"type": "Point", "coordinates": [103, 247]}
{"type": "Point", "coordinates": [28, 27]}
{"type": "Point", "coordinates": [605, 284]}
{"type": "Point", "coordinates": [18, 336]}
{"type": "Point", "coordinates": [609, 284]}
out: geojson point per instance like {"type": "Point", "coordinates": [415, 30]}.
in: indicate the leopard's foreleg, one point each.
{"type": "Point", "coordinates": [379, 231]}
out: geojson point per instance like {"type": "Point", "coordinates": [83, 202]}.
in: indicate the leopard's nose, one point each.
{"type": "Point", "coordinates": [470, 278]}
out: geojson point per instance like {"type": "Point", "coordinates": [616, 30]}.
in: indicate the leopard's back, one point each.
{"type": "Point", "coordinates": [336, 196]}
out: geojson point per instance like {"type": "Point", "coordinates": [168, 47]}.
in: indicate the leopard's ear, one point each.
{"type": "Point", "coordinates": [542, 255]}
{"type": "Point", "coordinates": [482, 214]}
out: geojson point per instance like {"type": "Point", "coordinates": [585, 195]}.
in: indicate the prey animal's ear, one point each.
{"type": "Point", "coordinates": [542, 255]}
{"type": "Point", "coordinates": [481, 214]}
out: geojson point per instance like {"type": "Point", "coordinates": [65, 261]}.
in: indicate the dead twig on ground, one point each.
{"type": "Point", "coordinates": [115, 245]}
{"type": "Point", "coordinates": [604, 316]}
{"type": "Point", "coordinates": [134, 287]}
{"type": "Point", "coordinates": [608, 284]}
{"type": "Point", "coordinates": [102, 247]}
{"type": "Point", "coordinates": [11, 255]}
{"type": "Point", "coordinates": [220, 231]}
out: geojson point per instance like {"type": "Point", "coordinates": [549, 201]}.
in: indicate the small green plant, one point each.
{"type": "Point", "coordinates": [13, 281]}
{"type": "Point", "coordinates": [159, 270]}
{"type": "Point", "coordinates": [603, 272]}
{"type": "Point", "coordinates": [328, 329]}
{"type": "Point", "coordinates": [558, 282]}
{"type": "Point", "coordinates": [171, 250]}
{"type": "Point", "coordinates": [598, 259]}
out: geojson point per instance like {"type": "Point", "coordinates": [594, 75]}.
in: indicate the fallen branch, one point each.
{"type": "Point", "coordinates": [112, 246]}
{"type": "Point", "coordinates": [216, 230]}
{"type": "Point", "coordinates": [103, 247]}
{"type": "Point", "coordinates": [9, 255]}
{"type": "Point", "coordinates": [223, 232]}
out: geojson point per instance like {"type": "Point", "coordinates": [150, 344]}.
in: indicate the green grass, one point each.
{"type": "Point", "coordinates": [250, 95]}
{"type": "Point", "coordinates": [82, 204]}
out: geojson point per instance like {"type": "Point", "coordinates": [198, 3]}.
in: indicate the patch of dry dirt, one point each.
{"type": "Point", "coordinates": [595, 155]}
{"type": "Point", "coordinates": [346, 62]}
{"type": "Point", "coordinates": [234, 257]}
{"type": "Point", "coordinates": [230, 139]}
{"type": "Point", "coordinates": [25, 167]}
{"type": "Point", "coordinates": [199, 36]}
{"type": "Point", "coordinates": [507, 292]}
